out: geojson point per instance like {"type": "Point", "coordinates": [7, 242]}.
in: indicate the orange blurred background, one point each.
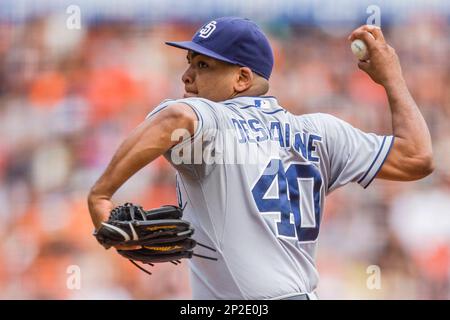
{"type": "Point", "coordinates": [69, 97]}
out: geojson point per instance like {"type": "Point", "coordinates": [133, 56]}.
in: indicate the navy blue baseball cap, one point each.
{"type": "Point", "coordinates": [234, 40]}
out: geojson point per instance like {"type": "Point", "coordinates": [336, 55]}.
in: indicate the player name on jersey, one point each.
{"type": "Point", "coordinates": [253, 131]}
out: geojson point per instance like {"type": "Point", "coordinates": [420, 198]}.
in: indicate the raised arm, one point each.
{"type": "Point", "coordinates": [147, 142]}
{"type": "Point", "coordinates": [411, 156]}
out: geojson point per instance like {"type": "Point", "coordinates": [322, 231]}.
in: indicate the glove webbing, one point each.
{"type": "Point", "coordinates": [177, 262]}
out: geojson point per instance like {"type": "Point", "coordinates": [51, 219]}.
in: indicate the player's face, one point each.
{"type": "Point", "coordinates": [209, 78]}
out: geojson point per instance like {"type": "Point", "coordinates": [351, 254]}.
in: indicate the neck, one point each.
{"type": "Point", "coordinates": [252, 92]}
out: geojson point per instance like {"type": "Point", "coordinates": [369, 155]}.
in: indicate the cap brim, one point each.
{"type": "Point", "coordinates": [189, 45]}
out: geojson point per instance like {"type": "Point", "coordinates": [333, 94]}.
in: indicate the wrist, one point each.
{"type": "Point", "coordinates": [99, 208]}
{"type": "Point", "coordinates": [99, 193]}
{"type": "Point", "coordinates": [93, 200]}
{"type": "Point", "coordinates": [394, 84]}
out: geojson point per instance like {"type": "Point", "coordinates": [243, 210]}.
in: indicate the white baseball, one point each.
{"type": "Point", "coordinates": [359, 49]}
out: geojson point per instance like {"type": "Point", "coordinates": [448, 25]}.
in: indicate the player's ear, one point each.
{"type": "Point", "coordinates": [244, 79]}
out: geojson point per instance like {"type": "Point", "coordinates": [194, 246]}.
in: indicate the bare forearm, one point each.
{"type": "Point", "coordinates": [147, 142]}
{"type": "Point", "coordinates": [407, 120]}
{"type": "Point", "coordinates": [131, 156]}
{"type": "Point", "coordinates": [410, 157]}
{"type": "Point", "coordinates": [134, 153]}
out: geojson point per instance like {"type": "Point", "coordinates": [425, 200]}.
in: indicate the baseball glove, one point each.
{"type": "Point", "coordinates": [161, 233]}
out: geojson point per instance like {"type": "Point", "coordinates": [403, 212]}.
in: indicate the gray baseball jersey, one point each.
{"type": "Point", "coordinates": [254, 178]}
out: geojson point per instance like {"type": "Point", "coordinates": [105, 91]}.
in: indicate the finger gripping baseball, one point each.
{"type": "Point", "coordinates": [161, 233]}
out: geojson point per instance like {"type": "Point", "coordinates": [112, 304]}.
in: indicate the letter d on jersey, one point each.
{"type": "Point", "coordinates": [373, 282]}
{"type": "Point", "coordinates": [206, 31]}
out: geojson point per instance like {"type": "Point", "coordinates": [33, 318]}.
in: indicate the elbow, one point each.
{"type": "Point", "coordinates": [424, 166]}
{"type": "Point", "coordinates": [428, 165]}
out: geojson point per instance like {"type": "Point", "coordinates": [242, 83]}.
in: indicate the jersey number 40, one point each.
{"type": "Point", "coordinates": [287, 199]}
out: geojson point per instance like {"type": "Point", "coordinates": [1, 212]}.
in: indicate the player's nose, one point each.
{"type": "Point", "coordinates": [187, 77]}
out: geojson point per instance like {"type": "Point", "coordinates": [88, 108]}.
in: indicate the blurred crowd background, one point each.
{"type": "Point", "coordinates": [68, 97]}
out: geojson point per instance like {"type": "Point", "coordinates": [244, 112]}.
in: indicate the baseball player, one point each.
{"type": "Point", "coordinates": [253, 177]}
